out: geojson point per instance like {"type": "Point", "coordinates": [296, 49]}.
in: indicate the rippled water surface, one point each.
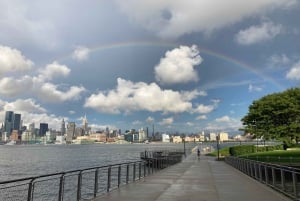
{"type": "Point", "coordinates": [19, 161]}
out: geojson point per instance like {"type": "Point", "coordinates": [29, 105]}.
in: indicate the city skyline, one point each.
{"type": "Point", "coordinates": [184, 67]}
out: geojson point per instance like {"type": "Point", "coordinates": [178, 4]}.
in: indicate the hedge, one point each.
{"type": "Point", "coordinates": [248, 149]}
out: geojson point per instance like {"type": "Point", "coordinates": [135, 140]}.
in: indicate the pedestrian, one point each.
{"type": "Point", "coordinates": [198, 152]}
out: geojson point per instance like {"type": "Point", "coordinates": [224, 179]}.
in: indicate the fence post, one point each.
{"type": "Point", "coordinates": [61, 188]}
{"type": "Point", "coordinates": [119, 176]}
{"type": "Point", "coordinates": [295, 184]}
{"type": "Point", "coordinates": [140, 170]}
{"type": "Point", "coordinates": [108, 178]}
{"type": "Point", "coordinates": [30, 190]}
{"type": "Point", "coordinates": [134, 170]}
{"type": "Point", "coordinates": [127, 173]}
{"type": "Point", "coordinates": [273, 177]}
{"type": "Point", "coordinates": [282, 179]}
{"type": "Point", "coordinates": [96, 183]}
{"type": "Point", "coordinates": [79, 186]}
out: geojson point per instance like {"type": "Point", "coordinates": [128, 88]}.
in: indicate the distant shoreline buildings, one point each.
{"type": "Point", "coordinates": [13, 130]}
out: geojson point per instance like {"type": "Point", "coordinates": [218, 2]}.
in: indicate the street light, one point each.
{"type": "Point", "coordinates": [183, 139]}
{"type": "Point", "coordinates": [218, 146]}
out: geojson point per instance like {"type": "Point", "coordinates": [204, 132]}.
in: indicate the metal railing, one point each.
{"type": "Point", "coordinates": [82, 184]}
{"type": "Point", "coordinates": [282, 178]}
{"type": "Point", "coordinates": [276, 159]}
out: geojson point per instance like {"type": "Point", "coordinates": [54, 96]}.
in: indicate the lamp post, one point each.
{"type": "Point", "coordinates": [218, 146]}
{"type": "Point", "coordinates": [183, 139]}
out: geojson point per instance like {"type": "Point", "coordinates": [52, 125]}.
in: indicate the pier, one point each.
{"type": "Point", "coordinates": [203, 179]}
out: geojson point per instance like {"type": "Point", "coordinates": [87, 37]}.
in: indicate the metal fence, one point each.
{"type": "Point", "coordinates": [281, 178]}
{"type": "Point", "coordinates": [82, 184]}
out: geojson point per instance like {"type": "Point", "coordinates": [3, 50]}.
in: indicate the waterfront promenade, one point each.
{"type": "Point", "coordinates": [202, 180]}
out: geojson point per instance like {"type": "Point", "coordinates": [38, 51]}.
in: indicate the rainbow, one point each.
{"type": "Point", "coordinates": [206, 51]}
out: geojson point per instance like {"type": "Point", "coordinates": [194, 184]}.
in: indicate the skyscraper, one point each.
{"type": "Point", "coordinates": [17, 122]}
{"type": "Point", "coordinates": [70, 131]}
{"type": "Point", "coordinates": [8, 122]}
{"type": "Point", "coordinates": [63, 128]}
{"type": "Point", "coordinates": [43, 129]}
{"type": "Point", "coordinates": [85, 125]}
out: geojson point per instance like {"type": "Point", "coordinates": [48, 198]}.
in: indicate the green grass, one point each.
{"type": "Point", "coordinates": [222, 152]}
{"type": "Point", "coordinates": [291, 156]}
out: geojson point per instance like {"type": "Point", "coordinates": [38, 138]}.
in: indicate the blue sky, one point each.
{"type": "Point", "coordinates": [184, 66]}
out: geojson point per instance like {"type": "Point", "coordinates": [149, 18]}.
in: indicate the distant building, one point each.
{"type": "Point", "coordinates": [223, 136]}
{"type": "Point", "coordinates": [212, 136]}
{"type": "Point", "coordinates": [63, 128]}
{"type": "Point", "coordinates": [12, 121]}
{"type": "Point", "coordinates": [165, 138]}
{"type": "Point", "coordinates": [142, 135]}
{"type": "Point", "coordinates": [70, 132]}
{"type": "Point", "coordinates": [176, 139]}
{"type": "Point", "coordinates": [43, 129]}
{"type": "Point", "coordinates": [14, 135]}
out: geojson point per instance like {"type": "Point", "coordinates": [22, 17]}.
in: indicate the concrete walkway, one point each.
{"type": "Point", "coordinates": [193, 179]}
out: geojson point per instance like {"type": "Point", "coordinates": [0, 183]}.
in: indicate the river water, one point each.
{"type": "Point", "coordinates": [19, 161]}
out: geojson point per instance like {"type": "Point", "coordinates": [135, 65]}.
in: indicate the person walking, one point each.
{"type": "Point", "coordinates": [198, 153]}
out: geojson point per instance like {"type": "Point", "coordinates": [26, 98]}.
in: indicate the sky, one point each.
{"type": "Point", "coordinates": [182, 66]}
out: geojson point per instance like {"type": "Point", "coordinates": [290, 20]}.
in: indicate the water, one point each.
{"type": "Point", "coordinates": [21, 161]}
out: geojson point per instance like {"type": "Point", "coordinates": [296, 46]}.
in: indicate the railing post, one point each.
{"type": "Point", "coordinates": [140, 170]}
{"type": "Point", "coordinates": [144, 163]}
{"type": "Point", "coordinates": [96, 183]}
{"type": "Point", "coordinates": [282, 179]}
{"type": "Point", "coordinates": [273, 177]}
{"type": "Point", "coordinates": [61, 188]}
{"type": "Point", "coordinates": [127, 173]}
{"type": "Point", "coordinates": [260, 172]}
{"type": "Point", "coordinates": [295, 184]}
{"type": "Point", "coordinates": [108, 178]}
{"type": "Point", "coordinates": [266, 174]}
{"type": "Point", "coordinates": [134, 170]}
{"type": "Point", "coordinates": [119, 176]}
{"type": "Point", "coordinates": [79, 186]}
{"type": "Point", "coordinates": [30, 187]}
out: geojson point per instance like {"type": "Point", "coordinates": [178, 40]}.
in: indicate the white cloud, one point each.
{"type": "Point", "coordinates": [174, 18]}
{"type": "Point", "coordinates": [150, 120]}
{"type": "Point", "coordinates": [178, 66]}
{"type": "Point", "coordinates": [48, 92]}
{"type": "Point", "coordinates": [204, 109]}
{"type": "Point", "coordinates": [54, 70]}
{"type": "Point", "coordinates": [201, 117]}
{"type": "Point", "coordinates": [129, 96]}
{"type": "Point", "coordinates": [189, 123]}
{"type": "Point", "coordinates": [167, 121]}
{"type": "Point", "coordinates": [223, 119]}
{"type": "Point", "coordinates": [81, 53]}
{"type": "Point", "coordinates": [253, 88]}
{"type": "Point", "coordinates": [72, 112]}
{"type": "Point", "coordinates": [12, 60]}
{"type": "Point", "coordinates": [279, 60]}
{"type": "Point", "coordinates": [224, 123]}
{"type": "Point", "coordinates": [21, 105]}
{"type": "Point", "coordinates": [294, 72]}
{"type": "Point", "coordinates": [12, 86]}
{"type": "Point", "coordinates": [258, 33]}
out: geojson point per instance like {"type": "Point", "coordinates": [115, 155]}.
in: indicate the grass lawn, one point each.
{"type": "Point", "coordinates": [280, 156]}
{"type": "Point", "coordinates": [222, 152]}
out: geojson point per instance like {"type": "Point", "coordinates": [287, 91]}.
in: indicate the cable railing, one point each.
{"type": "Point", "coordinates": [83, 184]}
{"type": "Point", "coordinates": [281, 178]}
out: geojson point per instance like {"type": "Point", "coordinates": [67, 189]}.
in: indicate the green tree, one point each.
{"type": "Point", "coordinates": [275, 116]}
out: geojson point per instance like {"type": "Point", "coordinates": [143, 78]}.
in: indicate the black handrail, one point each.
{"type": "Point", "coordinates": [84, 183]}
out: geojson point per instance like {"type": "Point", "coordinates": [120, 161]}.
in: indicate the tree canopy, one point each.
{"type": "Point", "coordinates": [275, 116]}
